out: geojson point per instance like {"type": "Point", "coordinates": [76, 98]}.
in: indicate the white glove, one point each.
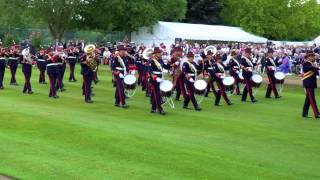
{"type": "Point", "coordinates": [191, 80]}
{"type": "Point", "coordinates": [177, 63]}
{"type": "Point", "coordinates": [159, 80]}
{"type": "Point", "coordinates": [121, 76]}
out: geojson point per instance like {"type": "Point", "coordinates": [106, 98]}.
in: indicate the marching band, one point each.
{"type": "Point", "coordinates": [159, 77]}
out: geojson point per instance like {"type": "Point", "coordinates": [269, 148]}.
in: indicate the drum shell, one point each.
{"type": "Point", "coordinates": [130, 87]}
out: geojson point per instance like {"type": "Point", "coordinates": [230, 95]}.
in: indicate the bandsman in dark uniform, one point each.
{"type": "Point", "coordinates": [189, 70]}
{"type": "Point", "coordinates": [271, 68]}
{"type": "Point", "coordinates": [309, 79]}
{"type": "Point", "coordinates": [26, 61]}
{"type": "Point", "coordinates": [219, 70]}
{"type": "Point", "coordinates": [175, 70]}
{"type": "Point", "coordinates": [42, 65]}
{"type": "Point", "coordinates": [235, 70]}
{"type": "Point", "coordinates": [61, 68]}
{"type": "Point", "coordinates": [3, 56]}
{"type": "Point", "coordinates": [156, 66]}
{"type": "Point", "coordinates": [13, 62]}
{"type": "Point", "coordinates": [52, 71]}
{"type": "Point", "coordinates": [87, 72]}
{"type": "Point", "coordinates": [72, 60]}
{"type": "Point", "coordinates": [247, 68]}
{"type": "Point", "coordinates": [208, 72]}
{"type": "Point", "coordinates": [119, 70]}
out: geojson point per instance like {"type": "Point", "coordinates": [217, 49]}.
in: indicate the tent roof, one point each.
{"type": "Point", "coordinates": [210, 32]}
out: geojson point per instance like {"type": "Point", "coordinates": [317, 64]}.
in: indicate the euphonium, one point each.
{"type": "Point", "coordinates": [91, 62]}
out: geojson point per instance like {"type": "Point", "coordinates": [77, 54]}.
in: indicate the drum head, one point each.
{"type": "Point", "coordinates": [130, 79]}
{"type": "Point", "coordinates": [257, 78]}
{"type": "Point", "coordinates": [279, 75]}
{"type": "Point", "coordinates": [200, 85]}
{"type": "Point", "coordinates": [228, 81]}
{"type": "Point", "coordinates": [166, 86]}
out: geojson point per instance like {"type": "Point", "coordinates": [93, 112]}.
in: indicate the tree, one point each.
{"type": "Point", "coordinates": [62, 15]}
{"type": "Point", "coordinates": [204, 11]}
{"type": "Point", "coordinates": [275, 19]}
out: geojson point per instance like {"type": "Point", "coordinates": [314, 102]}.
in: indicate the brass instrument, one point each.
{"type": "Point", "coordinates": [213, 49]}
{"type": "Point", "coordinates": [27, 56]}
{"type": "Point", "coordinates": [147, 53]}
{"type": "Point", "coordinates": [91, 62]}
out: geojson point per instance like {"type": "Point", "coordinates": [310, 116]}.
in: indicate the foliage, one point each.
{"type": "Point", "coordinates": [9, 40]}
{"type": "Point", "coordinates": [36, 39]}
{"type": "Point", "coordinates": [275, 19]}
{"type": "Point", "coordinates": [204, 11]}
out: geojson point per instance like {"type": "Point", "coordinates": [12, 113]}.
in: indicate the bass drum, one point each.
{"type": "Point", "coordinates": [256, 80]}
{"type": "Point", "coordinates": [280, 76]}
{"type": "Point", "coordinates": [130, 82]}
{"type": "Point", "coordinates": [200, 87]}
{"type": "Point", "coordinates": [228, 83]}
{"type": "Point", "coordinates": [166, 88]}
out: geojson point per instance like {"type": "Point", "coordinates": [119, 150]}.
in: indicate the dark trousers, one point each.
{"type": "Point", "coordinates": [13, 70]}
{"type": "Point", "coordinates": [247, 90]}
{"type": "Point", "coordinates": [119, 94]}
{"type": "Point", "coordinates": [190, 94]}
{"type": "Point", "coordinates": [155, 97]}
{"type": "Point", "coordinates": [2, 71]}
{"type": "Point", "coordinates": [53, 80]}
{"type": "Point", "coordinates": [27, 85]}
{"type": "Point", "coordinates": [180, 88]}
{"type": "Point", "coordinates": [272, 87]}
{"type": "Point", "coordinates": [86, 88]}
{"type": "Point", "coordinates": [211, 87]}
{"type": "Point", "coordinates": [221, 92]}
{"type": "Point", "coordinates": [72, 67]}
{"type": "Point", "coordinates": [60, 84]}
{"type": "Point", "coordinates": [310, 100]}
{"type": "Point", "coordinates": [42, 77]}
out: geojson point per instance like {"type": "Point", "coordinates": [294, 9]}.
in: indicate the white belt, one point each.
{"type": "Point", "coordinates": [59, 63]}
{"type": "Point", "coordinates": [1, 59]}
{"type": "Point", "coordinates": [236, 67]}
{"type": "Point", "coordinates": [13, 59]}
{"type": "Point", "coordinates": [52, 64]}
{"type": "Point", "coordinates": [72, 57]}
{"type": "Point", "coordinates": [156, 72]}
{"type": "Point", "coordinates": [118, 68]}
{"type": "Point", "coordinates": [210, 68]}
{"type": "Point", "coordinates": [191, 74]}
{"type": "Point", "coordinates": [42, 60]}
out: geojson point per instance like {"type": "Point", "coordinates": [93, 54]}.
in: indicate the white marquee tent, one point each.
{"type": "Point", "coordinates": [317, 40]}
{"type": "Point", "coordinates": [166, 32]}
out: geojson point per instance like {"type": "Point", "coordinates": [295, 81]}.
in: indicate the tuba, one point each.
{"type": "Point", "coordinates": [91, 62]}
{"type": "Point", "coordinates": [213, 49]}
{"type": "Point", "coordinates": [147, 53]}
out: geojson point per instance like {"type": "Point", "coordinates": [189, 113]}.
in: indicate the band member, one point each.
{"type": "Point", "coordinates": [156, 66]}
{"type": "Point", "coordinates": [13, 64]}
{"type": "Point", "coordinates": [42, 64]}
{"type": "Point", "coordinates": [119, 70]}
{"type": "Point", "coordinates": [72, 60]}
{"type": "Point", "coordinates": [247, 67]}
{"type": "Point", "coordinates": [189, 71]}
{"type": "Point", "coordinates": [3, 56]}
{"type": "Point", "coordinates": [61, 69]}
{"type": "Point", "coordinates": [52, 71]}
{"type": "Point", "coordinates": [219, 70]}
{"type": "Point", "coordinates": [235, 70]}
{"type": "Point", "coordinates": [87, 72]}
{"type": "Point", "coordinates": [26, 61]}
{"type": "Point", "coordinates": [271, 67]}
{"type": "Point", "coordinates": [175, 71]}
{"type": "Point", "coordinates": [208, 72]}
{"type": "Point", "coordinates": [140, 67]}
{"type": "Point", "coordinates": [309, 78]}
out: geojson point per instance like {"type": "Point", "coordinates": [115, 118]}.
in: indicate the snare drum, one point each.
{"type": "Point", "coordinates": [279, 77]}
{"type": "Point", "coordinates": [130, 82]}
{"type": "Point", "coordinates": [241, 79]}
{"type": "Point", "coordinates": [166, 88]}
{"type": "Point", "coordinates": [228, 83]}
{"type": "Point", "coordinates": [256, 80]}
{"type": "Point", "coordinates": [200, 87]}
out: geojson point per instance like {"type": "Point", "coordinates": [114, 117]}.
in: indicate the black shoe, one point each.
{"type": "Point", "coordinates": [1, 87]}
{"type": "Point", "coordinates": [55, 97]}
{"type": "Point", "coordinates": [125, 106]}
{"type": "Point", "coordinates": [162, 113]}
{"type": "Point", "coordinates": [305, 116]}
{"type": "Point", "coordinates": [30, 92]}
{"type": "Point", "coordinates": [278, 97]}
{"type": "Point", "coordinates": [244, 100]}
{"type": "Point", "coordinates": [198, 109]}
{"type": "Point", "coordinates": [74, 80]}
{"type": "Point", "coordinates": [62, 89]}
{"type": "Point", "coordinates": [177, 99]}
{"type": "Point", "coordinates": [206, 95]}
{"type": "Point", "coordinates": [147, 95]}
{"type": "Point", "coordinates": [186, 107]}
{"type": "Point", "coordinates": [318, 117]}
{"type": "Point", "coordinates": [268, 97]}
{"type": "Point", "coordinates": [117, 105]}
{"type": "Point", "coordinates": [217, 105]}
{"type": "Point", "coordinates": [254, 101]}
{"type": "Point", "coordinates": [89, 101]}
{"type": "Point", "coordinates": [44, 83]}
{"type": "Point", "coordinates": [229, 103]}
{"type": "Point", "coordinates": [24, 92]}
{"type": "Point", "coordinates": [153, 111]}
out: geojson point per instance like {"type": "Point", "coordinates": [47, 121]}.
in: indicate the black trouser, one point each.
{"type": "Point", "coordinates": [13, 69]}
{"type": "Point", "coordinates": [27, 85]}
{"type": "Point", "coordinates": [190, 94]}
{"type": "Point", "coordinates": [247, 89]}
{"type": "Point", "coordinates": [155, 97]}
{"type": "Point", "coordinates": [86, 88]}
{"type": "Point", "coordinates": [211, 86]}
{"type": "Point", "coordinates": [119, 94]}
{"type": "Point", "coordinates": [52, 78]}
{"type": "Point", "coordinates": [221, 92]}
{"type": "Point", "coordinates": [272, 86]}
{"type": "Point", "coordinates": [61, 70]}
{"type": "Point", "coordinates": [310, 100]}
{"type": "Point", "coordinates": [72, 67]}
{"type": "Point", "coordinates": [179, 87]}
{"type": "Point", "coordinates": [2, 71]}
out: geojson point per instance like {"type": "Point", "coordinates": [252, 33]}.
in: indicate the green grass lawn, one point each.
{"type": "Point", "coordinates": [44, 138]}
